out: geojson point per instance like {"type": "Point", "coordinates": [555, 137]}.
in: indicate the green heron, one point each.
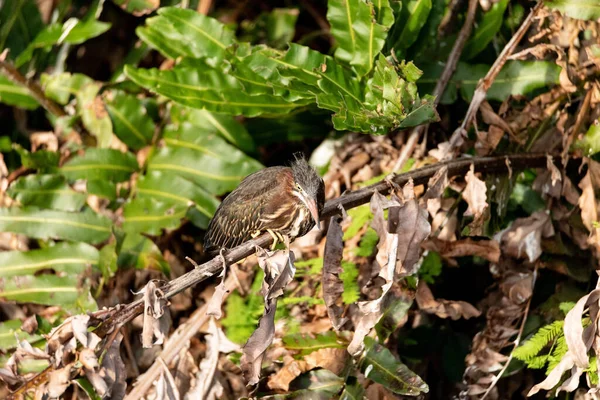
{"type": "Point", "coordinates": [284, 201]}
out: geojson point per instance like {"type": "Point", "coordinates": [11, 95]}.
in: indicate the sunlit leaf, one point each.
{"type": "Point", "coordinates": [205, 159]}
{"type": "Point", "coordinates": [130, 120]}
{"type": "Point", "coordinates": [93, 113]}
{"type": "Point", "coordinates": [10, 332]}
{"type": "Point", "coordinates": [103, 164]}
{"type": "Point", "coordinates": [46, 191]}
{"type": "Point", "coordinates": [66, 291]}
{"type": "Point", "coordinates": [580, 9]}
{"type": "Point", "coordinates": [60, 87]}
{"type": "Point", "coordinates": [151, 216]}
{"type": "Point", "coordinates": [169, 187]}
{"type": "Point", "coordinates": [15, 95]}
{"type": "Point", "coordinates": [181, 32]}
{"type": "Point", "coordinates": [590, 143]}
{"type": "Point", "coordinates": [306, 344]}
{"type": "Point", "coordinates": [44, 224]}
{"type": "Point", "coordinates": [71, 258]}
{"type": "Point", "coordinates": [225, 125]}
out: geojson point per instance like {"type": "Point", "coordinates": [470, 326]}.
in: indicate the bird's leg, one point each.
{"type": "Point", "coordinates": [276, 238]}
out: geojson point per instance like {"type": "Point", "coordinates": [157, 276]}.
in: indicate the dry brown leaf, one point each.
{"type": "Point", "coordinates": [155, 322]}
{"type": "Point", "coordinates": [435, 189]}
{"type": "Point", "coordinates": [443, 308]}
{"type": "Point", "coordinates": [112, 370]}
{"type": "Point", "coordinates": [333, 286]}
{"type": "Point", "coordinates": [165, 385]}
{"type": "Point", "coordinates": [474, 194]}
{"type": "Point", "coordinates": [216, 301]}
{"type": "Point", "coordinates": [524, 237]}
{"type": "Point", "coordinates": [59, 381]}
{"type": "Point", "coordinates": [279, 271]}
{"type": "Point", "coordinates": [486, 249]}
{"type": "Point", "coordinates": [410, 223]}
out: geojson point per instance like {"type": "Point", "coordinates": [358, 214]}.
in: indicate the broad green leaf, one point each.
{"type": "Point", "coordinates": [179, 32]}
{"type": "Point", "coordinates": [61, 87]}
{"type": "Point", "coordinates": [205, 159]}
{"type": "Point", "coordinates": [102, 188]}
{"type": "Point", "coordinates": [138, 7]}
{"type": "Point", "coordinates": [42, 160]}
{"type": "Point", "coordinates": [516, 78]}
{"type": "Point", "coordinates": [580, 9]}
{"type": "Point", "coordinates": [11, 332]}
{"type": "Point", "coordinates": [46, 191]}
{"type": "Point", "coordinates": [485, 30]}
{"type": "Point", "coordinates": [210, 90]}
{"type": "Point", "coordinates": [51, 290]}
{"type": "Point", "coordinates": [151, 216]}
{"type": "Point", "coordinates": [225, 125]}
{"type": "Point", "coordinates": [140, 252]}
{"type": "Point", "coordinates": [318, 384]}
{"type": "Point", "coordinates": [73, 31]}
{"type": "Point", "coordinates": [130, 120]}
{"type": "Point", "coordinates": [70, 258]}
{"type": "Point", "coordinates": [102, 164]}
{"type": "Point", "coordinates": [15, 95]}
{"type": "Point", "coordinates": [45, 224]}
{"type": "Point", "coordinates": [359, 36]}
{"type": "Point", "coordinates": [590, 143]}
{"type": "Point", "coordinates": [88, 388]}
{"type": "Point", "coordinates": [93, 114]}
{"type": "Point", "coordinates": [169, 187]}
{"type": "Point", "coordinates": [413, 17]}
{"type": "Point", "coordinates": [379, 365]}
{"type": "Point", "coordinates": [288, 128]}
{"type": "Point", "coordinates": [20, 22]}
{"type": "Point", "coordinates": [393, 314]}
{"type": "Point", "coordinates": [306, 344]}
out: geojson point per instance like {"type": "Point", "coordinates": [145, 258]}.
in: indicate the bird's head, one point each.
{"type": "Point", "coordinates": [308, 187]}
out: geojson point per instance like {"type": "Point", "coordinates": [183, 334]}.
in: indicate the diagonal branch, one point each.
{"type": "Point", "coordinates": [114, 319]}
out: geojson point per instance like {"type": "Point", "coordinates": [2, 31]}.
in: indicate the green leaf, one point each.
{"type": "Point", "coordinates": [353, 390]}
{"type": "Point", "coordinates": [225, 125]}
{"type": "Point", "coordinates": [208, 89]}
{"type": "Point", "coordinates": [93, 114]}
{"type": "Point", "coordinates": [580, 9]}
{"type": "Point", "coordinates": [102, 188]}
{"type": "Point", "coordinates": [359, 36]}
{"type": "Point", "coordinates": [51, 290]}
{"type": "Point", "coordinates": [349, 277]}
{"type": "Point", "coordinates": [11, 332]}
{"type": "Point", "coordinates": [46, 191]}
{"type": "Point", "coordinates": [205, 159]}
{"type": "Point", "coordinates": [139, 252]}
{"type": "Point", "coordinates": [102, 164]}
{"type": "Point", "coordinates": [130, 120]}
{"type": "Point", "coordinates": [138, 7]}
{"type": "Point", "coordinates": [413, 17]}
{"type": "Point", "coordinates": [168, 187]}
{"type": "Point", "coordinates": [431, 267]}
{"type": "Point", "coordinates": [60, 87]}
{"type": "Point", "coordinates": [590, 143]}
{"type": "Point", "coordinates": [20, 22]}
{"type": "Point", "coordinates": [486, 30]}
{"type": "Point", "coordinates": [83, 383]}
{"type": "Point", "coordinates": [179, 32]}
{"type": "Point", "coordinates": [45, 224]}
{"type": "Point", "coordinates": [379, 365]}
{"type": "Point", "coordinates": [151, 216]}
{"type": "Point", "coordinates": [393, 314]}
{"type": "Point", "coordinates": [15, 95]}
{"type": "Point", "coordinates": [73, 31]}
{"type": "Point", "coordinates": [42, 160]}
{"type": "Point", "coordinates": [275, 28]}
{"type": "Point", "coordinates": [306, 344]}
{"type": "Point", "coordinates": [70, 258]}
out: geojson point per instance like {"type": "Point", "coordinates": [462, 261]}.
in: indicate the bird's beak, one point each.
{"type": "Point", "coordinates": [314, 211]}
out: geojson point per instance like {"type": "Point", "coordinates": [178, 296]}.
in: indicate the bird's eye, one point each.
{"type": "Point", "coordinates": [298, 187]}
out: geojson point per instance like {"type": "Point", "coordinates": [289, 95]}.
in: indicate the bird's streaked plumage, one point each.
{"type": "Point", "coordinates": [287, 200]}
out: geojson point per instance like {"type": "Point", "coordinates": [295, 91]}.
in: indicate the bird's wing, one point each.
{"type": "Point", "coordinates": [239, 215]}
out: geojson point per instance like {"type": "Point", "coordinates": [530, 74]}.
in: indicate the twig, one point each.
{"type": "Point", "coordinates": [36, 91]}
{"type": "Point", "coordinates": [441, 84]}
{"type": "Point", "coordinates": [517, 340]}
{"type": "Point", "coordinates": [115, 319]}
{"type": "Point", "coordinates": [204, 6]}
{"type": "Point", "coordinates": [485, 83]}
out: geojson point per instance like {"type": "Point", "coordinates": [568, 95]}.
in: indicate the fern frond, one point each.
{"type": "Point", "coordinates": [532, 347]}
{"type": "Point", "coordinates": [558, 352]}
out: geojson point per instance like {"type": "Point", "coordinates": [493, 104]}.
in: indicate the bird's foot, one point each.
{"type": "Point", "coordinates": [277, 238]}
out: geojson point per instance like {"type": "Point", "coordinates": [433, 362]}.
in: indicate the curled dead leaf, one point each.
{"type": "Point", "coordinates": [333, 286]}
{"type": "Point", "coordinates": [443, 308]}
